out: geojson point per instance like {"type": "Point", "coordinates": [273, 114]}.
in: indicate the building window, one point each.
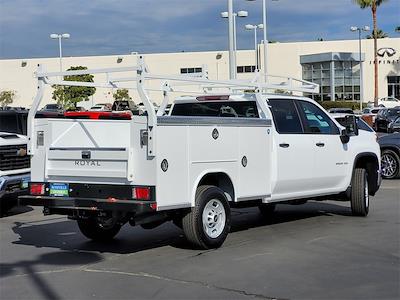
{"type": "Point", "coordinates": [191, 70]}
{"type": "Point", "coordinates": [394, 86]}
{"type": "Point", "coordinates": [246, 69]}
{"type": "Point", "coordinates": [347, 80]}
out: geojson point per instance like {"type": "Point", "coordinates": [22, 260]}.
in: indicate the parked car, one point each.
{"type": "Point", "coordinates": [394, 126]}
{"type": "Point", "coordinates": [390, 155]}
{"type": "Point", "coordinates": [371, 112]}
{"type": "Point", "coordinates": [101, 107]}
{"type": "Point", "coordinates": [385, 117]}
{"type": "Point", "coordinates": [121, 105]}
{"type": "Point", "coordinates": [341, 111]}
{"type": "Point", "coordinates": [388, 102]}
{"type": "Point", "coordinates": [52, 107]}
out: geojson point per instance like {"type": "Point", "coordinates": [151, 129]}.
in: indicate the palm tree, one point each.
{"type": "Point", "coordinates": [379, 35]}
{"type": "Point", "coordinates": [373, 4]}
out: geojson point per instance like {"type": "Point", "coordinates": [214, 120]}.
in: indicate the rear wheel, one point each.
{"type": "Point", "coordinates": [390, 164]}
{"type": "Point", "coordinates": [208, 223]}
{"type": "Point", "coordinates": [99, 230]}
{"type": "Point", "coordinates": [359, 193]}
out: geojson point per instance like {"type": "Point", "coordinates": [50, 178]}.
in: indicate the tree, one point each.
{"type": "Point", "coordinates": [122, 94]}
{"type": "Point", "coordinates": [373, 4]}
{"type": "Point", "coordinates": [379, 35]}
{"type": "Point", "coordinates": [7, 97]}
{"type": "Point", "coordinates": [69, 96]}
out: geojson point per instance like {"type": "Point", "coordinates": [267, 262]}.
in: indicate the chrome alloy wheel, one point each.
{"type": "Point", "coordinates": [389, 165]}
{"type": "Point", "coordinates": [214, 218]}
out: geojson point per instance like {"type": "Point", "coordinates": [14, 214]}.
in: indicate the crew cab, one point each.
{"type": "Point", "coordinates": [211, 153]}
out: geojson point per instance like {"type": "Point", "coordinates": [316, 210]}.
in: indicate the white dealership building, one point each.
{"type": "Point", "coordinates": [332, 64]}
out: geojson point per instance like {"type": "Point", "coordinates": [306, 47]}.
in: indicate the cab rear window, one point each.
{"type": "Point", "coordinates": [232, 109]}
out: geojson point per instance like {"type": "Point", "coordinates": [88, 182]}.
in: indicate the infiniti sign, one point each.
{"type": "Point", "coordinates": [388, 51]}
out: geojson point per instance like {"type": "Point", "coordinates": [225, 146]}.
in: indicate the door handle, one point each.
{"type": "Point", "coordinates": [320, 144]}
{"type": "Point", "coordinates": [284, 145]}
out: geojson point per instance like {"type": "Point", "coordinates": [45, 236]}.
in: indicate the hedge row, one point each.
{"type": "Point", "coordinates": [354, 105]}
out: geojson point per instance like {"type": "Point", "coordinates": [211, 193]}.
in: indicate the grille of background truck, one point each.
{"type": "Point", "coordinates": [10, 160]}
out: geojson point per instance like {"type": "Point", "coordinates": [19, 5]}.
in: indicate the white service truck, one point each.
{"type": "Point", "coordinates": [212, 152]}
{"type": "Point", "coordinates": [14, 168]}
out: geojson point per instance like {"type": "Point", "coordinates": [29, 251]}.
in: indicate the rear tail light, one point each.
{"type": "Point", "coordinates": [141, 193]}
{"type": "Point", "coordinates": [37, 189]}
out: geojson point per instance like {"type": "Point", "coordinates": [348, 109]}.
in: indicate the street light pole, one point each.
{"type": "Point", "coordinates": [255, 27]}
{"type": "Point", "coordinates": [60, 37]}
{"type": "Point", "coordinates": [359, 29]}
{"type": "Point", "coordinates": [60, 48]}
{"type": "Point", "coordinates": [264, 17]}
{"type": "Point", "coordinates": [232, 61]}
{"type": "Point", "coordinates": [264, 9]}
{"type": "Point", "coordinates": [225, 15]}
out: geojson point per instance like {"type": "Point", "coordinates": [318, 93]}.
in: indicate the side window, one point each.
{"type": "Point", "coordinates": [233, 109]}
{"type": "Point", "coordinates": [316, 120]}
{"type": "Point", "coordinates": [286, 117]}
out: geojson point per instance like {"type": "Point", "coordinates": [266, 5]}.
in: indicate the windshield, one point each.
{"type": "Point", "coordinates": [393, 112]}
{"type": "Point", "coordinates": [13, 122]}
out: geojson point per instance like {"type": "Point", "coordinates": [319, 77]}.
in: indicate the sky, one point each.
{"type": "Point", "coordinates": [106, 27]}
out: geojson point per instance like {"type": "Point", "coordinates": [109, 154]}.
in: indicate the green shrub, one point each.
{"type": "Point", "coordinates": [354, 105]}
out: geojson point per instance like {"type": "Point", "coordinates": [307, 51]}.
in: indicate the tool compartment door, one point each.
{"type": "Point", "coordinates": [255, 163]}
{"type": "Point", "coordinates": [88, 148]}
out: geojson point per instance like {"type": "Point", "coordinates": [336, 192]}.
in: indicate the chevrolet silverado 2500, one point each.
{"type": "Point", "coordinates": [212, 152]}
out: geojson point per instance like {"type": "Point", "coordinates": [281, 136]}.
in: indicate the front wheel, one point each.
{"type": "Point", "coordinates": [359, 193]}
{"type": "Point", "coordinates": [390, 164]}
{"type": "Point", "coordinates": [99, 230]}
{"type": "Point", "coordinates": [207, 225]}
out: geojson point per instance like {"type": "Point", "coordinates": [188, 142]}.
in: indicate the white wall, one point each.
{"type": "Point", "coordinates": [284, 59]}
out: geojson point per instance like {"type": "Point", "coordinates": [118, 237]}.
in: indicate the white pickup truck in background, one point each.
{"type": "Point", "coordinates": [212, 152]}
{"type": "Point", "coordinates": [14, 169]}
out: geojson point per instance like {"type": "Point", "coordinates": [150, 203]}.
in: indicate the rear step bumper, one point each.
{"type": "Point", "coordinates": [64, 205]}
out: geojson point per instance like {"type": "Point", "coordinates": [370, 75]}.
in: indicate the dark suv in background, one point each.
{"type": "Point", "coordinates": [386, 116]}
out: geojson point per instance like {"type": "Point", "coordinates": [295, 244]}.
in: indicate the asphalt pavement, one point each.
{"type": "Point", "coordinates": [312, 251]}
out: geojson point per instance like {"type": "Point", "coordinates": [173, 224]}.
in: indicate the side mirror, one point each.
{"type": "Point", "coordinates": [351, 128]}
{"type": "Point", "coordinates": [350, 123]}
{"type": "Point", "coordinates": [344, 137]}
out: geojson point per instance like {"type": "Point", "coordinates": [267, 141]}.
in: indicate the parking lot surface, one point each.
{"type": "Point", "coordinates": [312, 251]}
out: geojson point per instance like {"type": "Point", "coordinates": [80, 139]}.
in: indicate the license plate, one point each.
{"type": "Point", "coordinates": [59, 189]}
{"type": "Point", "coordinates": [25, 182]}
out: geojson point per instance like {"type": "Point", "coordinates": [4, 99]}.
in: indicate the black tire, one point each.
{"type": "Point", "coordinates": [390, 164]}
{"type": "Point", "coordinates": [6, 204]}
{"type": "Point", "coordinates": [359, 193]}
{"type": "Point", "coordinates": [267, 209]}
{"type": "Point", "coordinates": [192, 222]}
{"type": "Point", "coordinates": [94, 230]}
